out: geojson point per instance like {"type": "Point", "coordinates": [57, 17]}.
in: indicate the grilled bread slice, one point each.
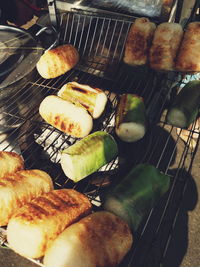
{"type": "Point", "coordinates": [100, 239]}
{"type": "Point", "coordinates": [164, 49]}
{"type": "Point", "coordinates": [66, 116]}
{"type": "Point", "coordinates": [188, 59]}
{"type": "Point", "coordinates": [138, 42]}
{"type": "Point", "coordinates": [39, 222]}
{"type": "Point", "coordinates": [19, 188]}
{"type": "Point", "coordinates": [10, 162]}
{"type": "Point", "coordinates": [57, 61]}
{"type": "Point", "coordinates": [92, 99]}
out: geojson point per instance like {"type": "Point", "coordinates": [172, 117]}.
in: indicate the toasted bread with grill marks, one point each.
{"type": "Point", "coordinates": [19, 188]}
{"type": "Point", "coordinates": [66, 116]}
{"type": "Point", "coordinates": [39, 222]}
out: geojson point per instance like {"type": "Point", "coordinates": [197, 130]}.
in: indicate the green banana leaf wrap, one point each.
{"type": "Point", "coordinates": [88, 155]}
{"type": "Point", "coordinates": [134, 197]}
{"type": "Point", "coordinates": [185, 107]}
{"type": "Point", "coordinates": [131, 108]}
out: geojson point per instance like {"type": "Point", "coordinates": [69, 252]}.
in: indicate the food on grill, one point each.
{"type": "Point", "coordinates": [100, 239]}
{"type": "Point", "coordinates": [92, 99]}
{"type": "Point", "coordinates": [138, 42]}
{"type": "Point", "coordinates": [88, 155]}
{"type": "Point", "coordinates": [185, 107]}
{"type": "Point", "coordinates": [10, 162]}
{"type": "Point", "coordinates": [57, 61]}
{"type": "Point", "coordinates": [66, 116]}
{"type": "Point", "coordinates": [188, 59]}
{"type": "Point", "coordinates": [130, 120]}
{"type": "Point", "coordinates": [137, 194]}
{"type": "Point", "coordinates": [19, 188]}
{"type": "Point", "coordinates": [166, 42]}
{"type": "Point", "coordinates": [33, 228]}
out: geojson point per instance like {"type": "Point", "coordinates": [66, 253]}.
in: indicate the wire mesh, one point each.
{"type": "Point", "coordinates": [100, 41]}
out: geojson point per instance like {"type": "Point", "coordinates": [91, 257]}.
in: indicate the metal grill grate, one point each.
{"type": "Point", "coordinates": [100, 41]}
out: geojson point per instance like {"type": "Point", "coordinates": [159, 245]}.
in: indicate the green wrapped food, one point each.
{"type": "Point", "coordinates": [130, 120]}
{"type": "Point", "coordinates": [88, 155]}
{"type": "Point", "coordinates": [137, 194]}
{"type": "Point", "coordinates": [186, 105]}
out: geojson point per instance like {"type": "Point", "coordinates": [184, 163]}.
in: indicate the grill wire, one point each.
{"type": "Point", "coordinates": [100, 41]}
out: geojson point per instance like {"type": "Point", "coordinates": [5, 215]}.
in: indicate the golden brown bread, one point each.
{"type": "Point", "coordinates": [138, 42]}
{"type": "Point", "coordinates": [66, 116]}
{"type": "Point", "coordinates": [10, 162]}
{"type": "Point", "coordinates": [166, 42]}
{"type": "Point", "coordinates": [101, 239]}
{"type": "Point", "coordinates": [19, 188]}
{"type": "Point", "coordinates": [32, 229]}
{"type": "Point", "coordinates": [188, 59]}
{"type": "Point", "coordinates": [57, 61]}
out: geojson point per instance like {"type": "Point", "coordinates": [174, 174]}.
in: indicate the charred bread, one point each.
{"type": "Point", "coordinates": [164, 49]}
{"type": "Point", "coordinates": [92, 99]}
{"type": "Point", "coordinates": [188, 59]}
{"type": "Point", "coordinates": [66, 116]}
{"type": "Point", "coordinates": [33, 228]}
{"type": "Point", "coordinates": [19, 188]}
{"type": "Point", "coordinates": [57, 61]}
{"type": "Point", "coordinates": [10, 162]}
{"type": "Point", "coordinates": [138, 42]}
{"type": "Point", "coordinates": [100, 239]}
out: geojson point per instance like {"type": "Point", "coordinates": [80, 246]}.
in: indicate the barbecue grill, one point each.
{"type": "Point", "coordinates": [100, 35]}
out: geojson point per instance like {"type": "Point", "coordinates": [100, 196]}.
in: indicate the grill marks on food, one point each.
{"type": "Point", "coordinates": [138, 41]}
{"type": "Point", "coordinates": [53, 203]}
{"type": "Point", "coordinates": [83, 91]}
{"type": "Point", "coordinates": [65, 125]}
{"type": "Point", "coordinates": [12, 179]}
{"type": "Point", "coordinates": [103, 252]}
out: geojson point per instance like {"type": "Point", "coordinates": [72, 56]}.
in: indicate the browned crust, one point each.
{"type": "Point", "coordinates": [105, 238]}
{"type": "Point", "coordinates": [166, 42]}
{"type": "Point", "coordinates": [18, 188]}
{"type": "Point", "coordinates": [188, 59]}
{"type": "Point", "coordinates": [10, 162]}
{"type": "Point", "coordinates": [57, 61]}
{"type": "Point", "coordinates": [66, 54]}
{"type": "Point", "coordinates": [66, 203]}
{"type": "Point", "coordinates": [53, 211]}
{"type": "Point", "coordinates": [138, 43]}
{"type": "Point", "coordinates": [64, 124]}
